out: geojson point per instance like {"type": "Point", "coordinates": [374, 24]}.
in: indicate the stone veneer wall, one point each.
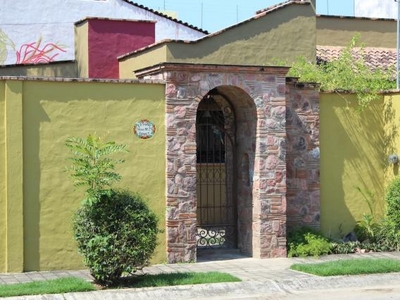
{"type": "Point", "coordinates": [277, 125]}
{"type": "Point", "coordinates": [302, 157]}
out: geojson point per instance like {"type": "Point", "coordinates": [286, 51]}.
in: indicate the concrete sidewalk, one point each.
{"type": "Point", "coordinates": [263, 276]}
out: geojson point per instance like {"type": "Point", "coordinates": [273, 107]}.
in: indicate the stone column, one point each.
{"type": "Point", "coordinates": [302, 125]}
{"type": "Point", "coordinates": [269, 191]}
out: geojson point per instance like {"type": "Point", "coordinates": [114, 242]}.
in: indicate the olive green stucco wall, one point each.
{"type": "Point", "coordinates": [3, 207]}
{"type": "Point", "coordinates": [352, 155]}
{"type": "Point", "coordinates": [147, 58]}
{"type": "Point", "coordinates": [336, 31]}
{"type": "Point", "coordinates": [53, 111]}
{"type": "Point", "coordinates": [13, 175]}
{"type": "Point", "coordinates": [283, 34]}
{"type": "Point", "coordinates": [280, 35]}
{"type": "Point", "coordinates": [82, 49]}
{"type": "Point", "coordinates": [59, 69]}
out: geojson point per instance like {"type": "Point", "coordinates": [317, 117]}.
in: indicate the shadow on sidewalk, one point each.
{"type": "Point", "coordinates": [205, 255]}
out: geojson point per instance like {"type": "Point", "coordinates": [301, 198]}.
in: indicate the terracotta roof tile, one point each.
{"type": "Point", "coordinates": [356, 18]}
{"type": "Point", "coordinates": [110, 19]}
{"type": "Point", "coordinates": [383, 58]}
{"type": "Point", "coordinates": [279, 5]}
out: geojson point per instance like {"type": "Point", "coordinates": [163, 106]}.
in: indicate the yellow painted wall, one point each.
{"type": "Point", "coordinates": [3, 208]}
{"type": "Point", "coordinates": [59, 69]}
{"type": "Point", "coordinates": [392, 132]}
{"type": "Point", "coordinates": [54, 111]}
{"type": "Point", "coordinates": [14, 176]}
{"type": "Point", "coordinates": [336, 31]}
{"type": "Point", "coordinates": [352, 154]}
{"type": "Point", "coordinates": [146, 58]}
{"type": "Point", "coordinates": [82, 49]}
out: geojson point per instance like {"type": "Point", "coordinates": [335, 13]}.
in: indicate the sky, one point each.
{"type": "Point", "coordinates": [213, 15]}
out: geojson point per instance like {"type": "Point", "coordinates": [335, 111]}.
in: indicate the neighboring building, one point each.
{"type": "Point", "coordinates": [376, 9]}
{"type": "Point", "coordinates": [100, 41]}
{"type": "Point", "coordinates": [282, 32]}
{"type": "Point", "coordinates": [44, 29]}
{"type": "Point", "coordinates": [377, 35]}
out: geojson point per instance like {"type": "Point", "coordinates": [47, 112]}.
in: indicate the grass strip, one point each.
{"type": "Point", "coordinates": [350, 267]}
{"type": "Point", "coordinates": [170, 279]}
{"type": "Point", "coordinates": [53, 286]}
{"type": "Point", "coordinates": [73, 284]}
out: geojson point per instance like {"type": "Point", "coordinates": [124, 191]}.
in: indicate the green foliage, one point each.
{"type": "Point", "coordinates": [373, 234]}
{"type": "Point", "coordinates": [55, 286]}
{"type": "Point", "coordinates": [350, 267]}
{"type": "Point", "coordinates": [393, 203]}
{"type": "Point", "coordinates": [388, 235]}
{"type": "Point", "coordinates": [91, 165]}
{"type": "Point", "coordinates": [366, 228]}
{"type": "Point", "coordinates": [345, 248]}
{"type": "Point", "coordinates": [116, 234]}
{"type": "Point", "coordinates": [305, 241]}
{"type": "Point", "coordinates": [350, 72]}
{"type": "Point", "coordinates": [115, 230]}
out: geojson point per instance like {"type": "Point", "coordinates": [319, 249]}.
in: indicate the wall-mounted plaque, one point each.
{"type": "Point", "coordinates": [144, 129]}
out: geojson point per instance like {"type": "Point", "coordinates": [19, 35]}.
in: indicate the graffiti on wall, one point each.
{"type": "Point", "coordinates": [35, 53]}
{"type": "Point", "coordinates": [28, 53]}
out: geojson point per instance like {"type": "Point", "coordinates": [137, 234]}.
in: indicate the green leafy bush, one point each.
{"type": "Point", "coordinates": [393, 203]}
{"type": "Point", "coordinates": [349, 72]}
{"type": "Point", "coordinates": [388, 235]}
{"type": "Point", "coordinates": [306, 241]}
{"type": "Point", "coordinates": [376, 234]}
{"type": "Point", "coordinates": [116, 234]}
{"type": "Point", "coordinates": [345, 247]}
{"type": "Point", "coordinates": [115, 230]}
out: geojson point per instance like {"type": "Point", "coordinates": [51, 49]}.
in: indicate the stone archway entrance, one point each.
{"type": "Point", "coordinates": [257, 95]}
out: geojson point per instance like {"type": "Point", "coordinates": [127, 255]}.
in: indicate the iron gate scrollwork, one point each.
{"type": "Point", "coordinates": [216, 207]}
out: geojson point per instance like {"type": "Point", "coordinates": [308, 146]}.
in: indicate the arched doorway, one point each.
{"type": "Point", "coordinates": [257, 96]}
{"type": "Point", "coordinates": [226, 145]}
{"type": "Point", "coordinates": [215, 184]}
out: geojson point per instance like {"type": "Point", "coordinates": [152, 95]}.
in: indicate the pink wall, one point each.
{"type": "Point", "coordinates": [109, 39]}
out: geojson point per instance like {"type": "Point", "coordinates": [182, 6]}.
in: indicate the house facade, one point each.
{"type": "Point", "coordinates": [30, 40]}
{"type": "Point", "coordinates": [234, 158]}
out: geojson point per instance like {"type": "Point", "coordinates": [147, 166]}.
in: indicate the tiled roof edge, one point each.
{"type": "Point", "coordinates": [62, 79]}
{"type": "Point", "coordinates": [353, 17]}
{"type": "Point", "coordinates": [166, 16]}
{"type": "Point", "coordinates": [111, 19]}
{"type": "Point", "coordinates": [280, 5]}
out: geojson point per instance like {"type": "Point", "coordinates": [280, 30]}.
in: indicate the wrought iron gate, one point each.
{"type": "Point", "coordinates": [216, 209]}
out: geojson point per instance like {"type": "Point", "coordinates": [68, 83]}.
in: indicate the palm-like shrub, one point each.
{"type": "Point", "coordinates": [92, 167]}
